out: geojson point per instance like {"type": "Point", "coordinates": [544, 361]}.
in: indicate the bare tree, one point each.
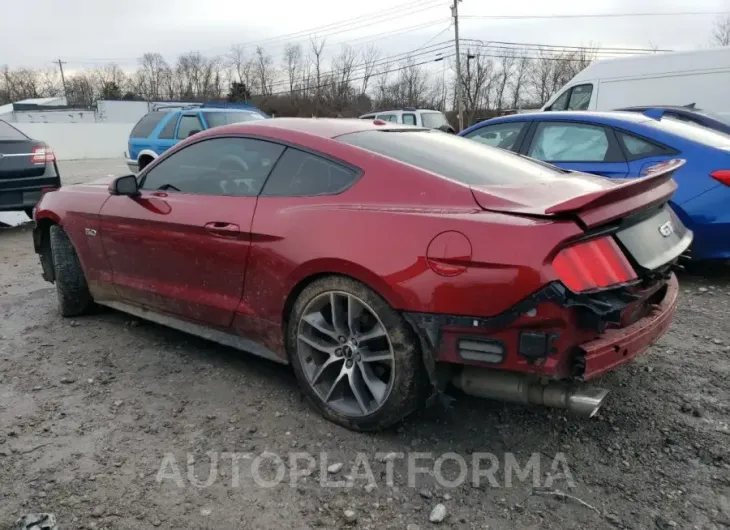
{"type": "Point", "coordinates": [264, 71]}
{"type": "Point", "coordinates": [477, 78]}
{"type": "Point", "coordinates": [370, 57]}
{"type": "Point", "coordinates": [243, 67]}
{"type": "Point", "coordinates": [504, 74]}
{"type": "Point", "coordinates": [519, 78]}
{"type": "Point", "coordinates": [151, 75]}
{"type": "Point", "coordinates": [721, 32]}
{"type": "Point", "coordinates": [80, 91]}
{"type": "Point", "coordinates": [316, 48]}
{"type": "Point", "coordinates": [292, 64]}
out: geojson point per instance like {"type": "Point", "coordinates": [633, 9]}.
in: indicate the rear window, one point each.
{"type": "Point", "coordinates": [454, 157]}
{"type": "Point", "coordinates": [217, 119]}
{"type": "Point", "coordinates": [691, 131]}
{"type": "Point", "coordinates": [8, 132]}
{"type": "Point", "coordinates": [433, 120]}
{"type": "Point", "coordinates": [147, 124]}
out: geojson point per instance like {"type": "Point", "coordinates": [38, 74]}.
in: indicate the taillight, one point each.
{"type": "Point", "coordinates": [593, 264]}
{"type": "Point", "coordinates": [722, 176]}
{"type": "Point", "coordinates": [42, 155]}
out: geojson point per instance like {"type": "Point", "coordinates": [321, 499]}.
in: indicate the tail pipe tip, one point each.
{"type": "Point", "coordinates": [520, 388]}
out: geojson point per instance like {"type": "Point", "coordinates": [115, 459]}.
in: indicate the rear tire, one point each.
{"type": "Point", "coordinates": [144, 161]}
{"type": "Point", "coordinates": [72, 290]}
{"type": "Point", "coordinates": [374, 375]}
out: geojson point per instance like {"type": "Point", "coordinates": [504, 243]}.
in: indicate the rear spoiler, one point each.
{"type": "Point", "coordinates": [655, 176]}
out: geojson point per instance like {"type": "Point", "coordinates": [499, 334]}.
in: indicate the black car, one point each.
{"type": "Point", "coordinates": [688, 113]}
{"type": "Point", "coordinates": [27, 169]}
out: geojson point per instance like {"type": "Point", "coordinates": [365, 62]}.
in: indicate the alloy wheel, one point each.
{"type": "Point", "coordinates": [346, 353]}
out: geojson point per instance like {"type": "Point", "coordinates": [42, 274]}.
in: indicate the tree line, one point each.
{"type": "Point", "coordinates": [302, 82]}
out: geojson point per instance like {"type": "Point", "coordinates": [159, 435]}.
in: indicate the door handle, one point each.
{"type": "Point", "coordinates": [223, 229]}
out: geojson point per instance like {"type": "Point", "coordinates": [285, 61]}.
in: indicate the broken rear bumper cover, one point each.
{"type": "Point", "coordinates": [554, 333]}
{"type": "Point", "coordinates": [618, 346]}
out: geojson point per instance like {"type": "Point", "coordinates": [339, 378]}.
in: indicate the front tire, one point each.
{"type": "Point", "coordinates": [355, 358]}
{"type": "Point", "coordinates": [72, 290]}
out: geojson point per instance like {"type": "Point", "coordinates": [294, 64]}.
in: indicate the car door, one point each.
{"type": "Point", "coordinates": [166, 137]}
{"type": "Point", "coordinates": [506, 135]}
{"type": "Point", "coordinates": [578, 146]}
{"type": "Point", "coordinates": [182, 245]}
{"type": "Point", "coordinates": [301, 185]}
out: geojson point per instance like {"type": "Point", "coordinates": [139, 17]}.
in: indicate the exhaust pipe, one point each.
{"type": "Point", "coordinates": [518, 388]}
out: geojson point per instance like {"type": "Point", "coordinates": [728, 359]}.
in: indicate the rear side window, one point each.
{"type": "Point", "coordinates": [454, 157]}
{"type": "Point", "coordinates": [168, 131]}
{"type": "Point", "coordinates": [147, 124]}
{"type": "Point", "coordinates": [8, 132]}
{"type": "Point", "coordinates": [188, 124]}
{"type": "Point", "coordinates": [302, 174]}
{"type": "Point", "coordinates": [409, 119]}
{"type": "Point", "coordinates": [433, 120]}
{"type": "Point", "coordinates": [218, 119]}
{"type": "Point", "coordinates": [638, 148]}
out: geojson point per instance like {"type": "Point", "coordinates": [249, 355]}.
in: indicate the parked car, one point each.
{"type": "Point", "coordinates": [625, 145]}
{"type": "Point", "coordinates": [686, 113]}
{"type": "Point", "coordinates": [27, 169]}
{"type": "Point", "coordinates": [499, 273]}
{"type": "Point", "coordinates": [431, 119]}
{"type": "Point", "coordinates": [678, 78]}
{"type": "Point", "coordinates": [165, 126]}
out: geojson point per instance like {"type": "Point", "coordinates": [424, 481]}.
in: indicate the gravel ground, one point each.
{"type": "Point", "coordinates": [98, 413]}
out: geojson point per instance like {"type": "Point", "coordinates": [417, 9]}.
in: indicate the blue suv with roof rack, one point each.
{"type": "Point", "coordinates": [167, 124]}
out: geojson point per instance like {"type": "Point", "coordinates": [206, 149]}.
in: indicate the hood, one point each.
{"type": "Point", "coordinates": [591, 199]}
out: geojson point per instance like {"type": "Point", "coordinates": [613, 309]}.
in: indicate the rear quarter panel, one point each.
{"type": "Point", "coordinates": [379, 231]}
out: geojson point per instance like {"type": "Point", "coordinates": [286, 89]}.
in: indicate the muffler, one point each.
{"type": "Point", "coordinates": [521, 388]}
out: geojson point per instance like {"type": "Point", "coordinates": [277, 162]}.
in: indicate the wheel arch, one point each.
{"type": "Point", "coordinates": [314, 270]}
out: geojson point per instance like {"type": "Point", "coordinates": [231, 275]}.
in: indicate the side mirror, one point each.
{"type": "Point", "coordinates": [126, 185]}
{"type": "Point", "coordinates": [194, 131]}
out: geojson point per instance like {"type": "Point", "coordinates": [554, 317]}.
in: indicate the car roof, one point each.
{"type": "Point", "coordinates": [323, 127]}
{"type": "Point", "coordinates": [568, 115]}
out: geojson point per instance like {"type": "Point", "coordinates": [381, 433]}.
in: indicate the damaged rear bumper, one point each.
{"type": "Point", "coordinates": [618, 346]}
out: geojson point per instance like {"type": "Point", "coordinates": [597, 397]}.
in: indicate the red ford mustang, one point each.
{"type": "Point", "coordinates": [381, 261]}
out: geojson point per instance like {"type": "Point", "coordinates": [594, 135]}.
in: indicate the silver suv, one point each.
{"type": "Point", "coordinates": [431, 119]}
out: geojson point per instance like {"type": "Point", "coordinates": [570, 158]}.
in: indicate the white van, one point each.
{"type": "Point", "coordinates": [662, 79]}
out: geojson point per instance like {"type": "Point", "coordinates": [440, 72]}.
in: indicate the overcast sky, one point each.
{"type": "Point", "coordinates": [88, 33]}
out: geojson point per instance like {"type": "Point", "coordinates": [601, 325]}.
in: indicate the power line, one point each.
{"type": "Point", "coordinates": [595, 15]}
{"type": "Point", "coordinates": [567, 47]}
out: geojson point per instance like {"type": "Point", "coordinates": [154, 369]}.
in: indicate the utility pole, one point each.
{"type": "Point", "coordinates": [459, 96]}
{"type": "Point", "coordinates": [63, 79]}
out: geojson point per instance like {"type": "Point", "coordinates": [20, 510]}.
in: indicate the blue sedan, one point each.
{"type": "Point", "coordinates": [626, 145]}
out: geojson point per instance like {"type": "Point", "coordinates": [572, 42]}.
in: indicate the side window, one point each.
{"type": "Point", "coordinates": [147, 124]}
{"type": "Point", "coordinates": [188, 123]}
{"type": "Point", "coordinates": [219, 166]}
{"type": "Point", "coordinates": [503, 135]}
{"type": "Point", "coordinates": [168, 131]}
{"type": "Point", "coordinates": [367, 117]}
{"type": "Point", "coordinates": [580, 97]}
{"type": "Point", "coordinates": [388, 117]}
{"type": "Point", "coordinates": [570, 142]}
{"type": "Point", "coordinates": [409, 119]}
{"type": "Point", "coordinates": [562, 102]}
{"type": "Point", "coordinates": [302, 174]}
{"type": "Point", "coordinates": [638, 148]}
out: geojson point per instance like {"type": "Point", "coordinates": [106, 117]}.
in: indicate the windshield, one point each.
{"type": "Point", "coordinates": [454, 157]}
{"type": "Point", "coordinates": [691, 131]}
{"type": "Point", "coordinates": [216, 119]}
{"type": "Point", "coordinates": [433, 120]}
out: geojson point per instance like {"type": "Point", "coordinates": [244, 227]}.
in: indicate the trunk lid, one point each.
{"type": "Point", "coordinates": [16, 159]}
{"type": "Point", "coordinates": [589, 199]}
